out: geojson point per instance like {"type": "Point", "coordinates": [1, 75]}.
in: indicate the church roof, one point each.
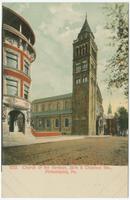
{"type": "Point", "coordinates": [50, 113]}
{"type": "Point", "coordinates": [59, 97]}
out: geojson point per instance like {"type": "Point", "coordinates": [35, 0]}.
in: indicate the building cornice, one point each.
{"type": "Point", "coordinates": [17, 74]}
{"type": "Point", "coordinates": [20, 35]}
{"type": "Point", "coordinates": [21, 18]}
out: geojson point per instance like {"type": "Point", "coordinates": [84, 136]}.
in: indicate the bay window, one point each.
{"type": "Point", "coordinates": [12, 60]}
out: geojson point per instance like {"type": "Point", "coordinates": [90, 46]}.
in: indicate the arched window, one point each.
{"type": "Point", "coordinates": [66, 122]}
{"type": "Point", "coordinates": [85, 79]}
{"type": "Point", "coordinates": [80, 51]}
{"type": "Point", "coordinates": [48, 123]}
{"type": "Point", "coordinates": [77, 51]}
{"type": "Point", "coordinates": [43, 122]}
{"type": "Point", "coordinates": [77, 81]}
{"type": "Point", "coordinates": [40, 122]}
{"type": "Point", "coordinates": [86, 48]}
{"type": "Point", "coordinates": [57, 123]}
{"type": "Point", "coordinates": [83, 50]}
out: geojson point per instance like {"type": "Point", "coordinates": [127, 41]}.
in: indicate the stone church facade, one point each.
{"type": "Point", "coordinates": [53, 114]}
{"type": "Point", "coordinates": [80, 112]}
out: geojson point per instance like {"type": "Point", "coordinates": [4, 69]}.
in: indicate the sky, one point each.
{"type": "Point", "coordinates": [56, 25]}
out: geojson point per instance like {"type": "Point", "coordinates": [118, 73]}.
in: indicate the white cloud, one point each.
{"type": "Point", "coordinates": [59, 29]}
{"type": "Point", "coordinates": [22, 7]}
{"type": "Point", "coordinates": [58, 21]}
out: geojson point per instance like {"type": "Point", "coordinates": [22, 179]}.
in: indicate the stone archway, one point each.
{"type": "Point", "coordinates": [16, 121]}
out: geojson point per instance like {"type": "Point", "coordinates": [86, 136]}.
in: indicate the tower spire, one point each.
{"type": "Point", "coordinates": [86, 16]}
{"type": "Point", "coordinates": [109, 109]}
{"type": "Point", "coordinates": [85, 28]}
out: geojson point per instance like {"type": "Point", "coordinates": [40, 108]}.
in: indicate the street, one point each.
{"type": "Point", "coordinates": [87, 151]}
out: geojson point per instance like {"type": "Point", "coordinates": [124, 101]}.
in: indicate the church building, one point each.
{"type": "Point", "coordinates": [80, 112]}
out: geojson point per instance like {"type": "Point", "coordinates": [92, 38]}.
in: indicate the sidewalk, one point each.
{"type": "Point", "coordinates": [28, 140]}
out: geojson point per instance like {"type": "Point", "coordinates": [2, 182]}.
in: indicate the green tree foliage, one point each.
{"type": "Point", "coordinates": [117, 66]}
{"type": "Point", "coordinates": [122, 116]}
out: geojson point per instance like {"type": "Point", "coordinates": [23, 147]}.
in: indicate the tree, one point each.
{"type": "Point", "coordinates": [122, 117]}
{"type": "Point", "coordinates": [117, 66]}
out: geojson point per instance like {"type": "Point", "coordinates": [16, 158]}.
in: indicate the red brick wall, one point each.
{"type": "Point", "coordinates": [18, 74]}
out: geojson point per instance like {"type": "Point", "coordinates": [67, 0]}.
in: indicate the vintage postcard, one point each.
{"type": "Point", "coordinates": [65, 99]}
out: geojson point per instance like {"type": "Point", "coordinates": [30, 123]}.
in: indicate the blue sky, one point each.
{"type": "Point", "coordinates": [56, 25]}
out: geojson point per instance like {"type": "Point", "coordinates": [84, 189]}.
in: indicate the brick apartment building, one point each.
{"type": "Point", "coordinates": [18, 53]}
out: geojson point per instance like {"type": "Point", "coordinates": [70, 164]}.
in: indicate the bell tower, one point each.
{"type": "Point", "coordinates": [84, 82]}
